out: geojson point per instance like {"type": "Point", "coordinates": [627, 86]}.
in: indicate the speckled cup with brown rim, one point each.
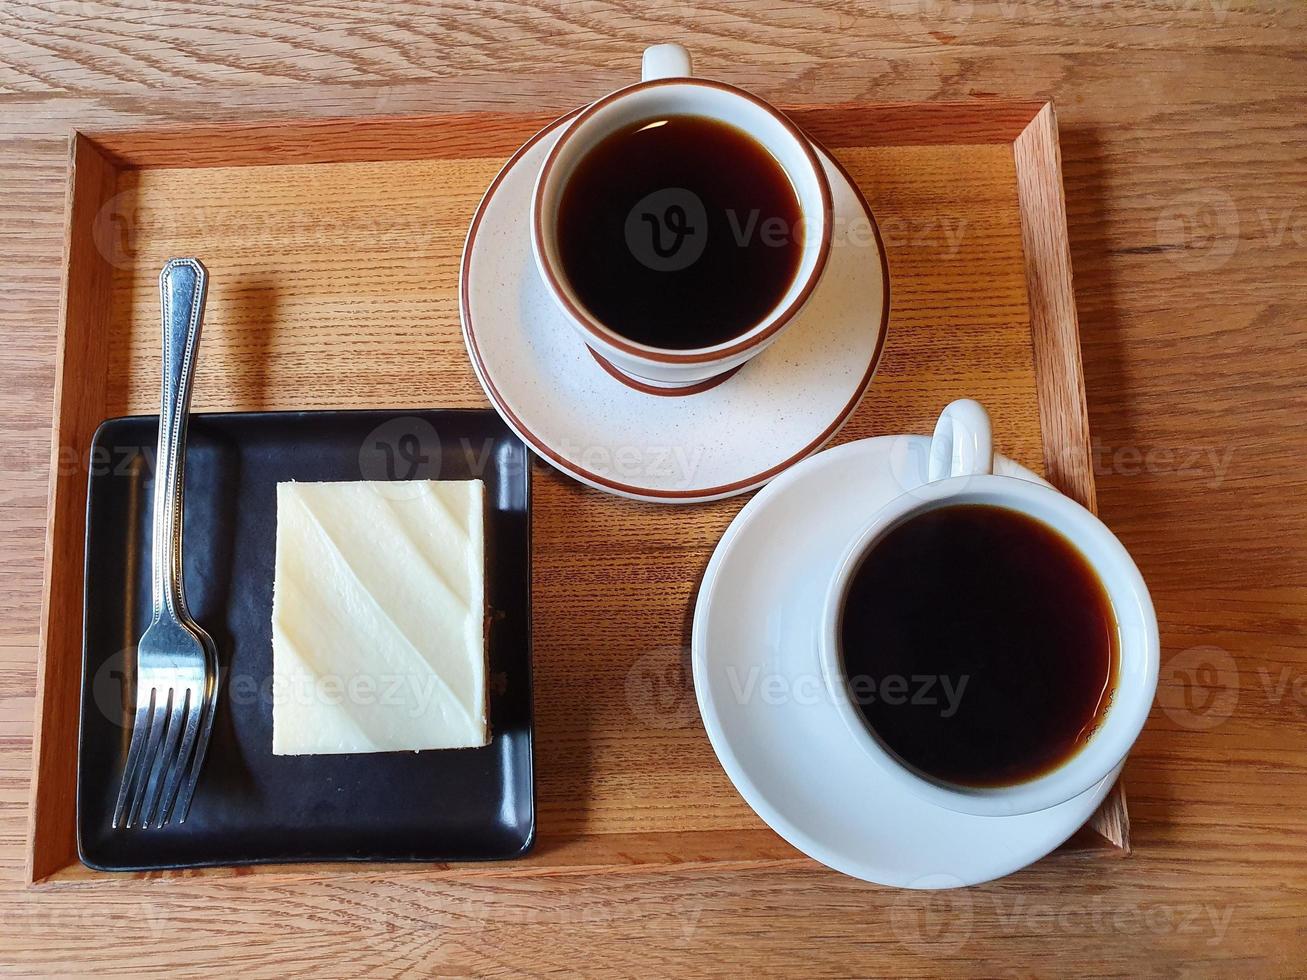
{"type": "Point", "coordinates": [666, 88]}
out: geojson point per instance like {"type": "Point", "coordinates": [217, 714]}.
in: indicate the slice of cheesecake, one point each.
{"type": "Point", "coordinates": [378, 617]}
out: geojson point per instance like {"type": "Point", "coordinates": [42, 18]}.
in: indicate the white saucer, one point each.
{"type": "Point", "coordinates": [770, 720]}
{"type": "Point", "coordinates": [783, 405]}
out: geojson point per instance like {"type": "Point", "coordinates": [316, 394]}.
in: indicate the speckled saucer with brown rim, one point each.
{"type": "Point", "coordinates": [730, 438]}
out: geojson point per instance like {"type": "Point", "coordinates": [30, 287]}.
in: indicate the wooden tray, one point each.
{"type": "Point", "coordinates": [333, 250]}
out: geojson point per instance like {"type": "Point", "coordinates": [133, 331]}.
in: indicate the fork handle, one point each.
{"type": "Point", "coordinates": [183, 284]}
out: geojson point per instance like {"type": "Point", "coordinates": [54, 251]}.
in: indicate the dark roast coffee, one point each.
{"type": "Point", "coordinates": [980, 645]}
{"type": "Point", "coordinates": [679, 232]}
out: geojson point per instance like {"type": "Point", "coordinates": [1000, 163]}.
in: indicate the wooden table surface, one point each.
{"type": "Point", "coordinates": [1184, 145]}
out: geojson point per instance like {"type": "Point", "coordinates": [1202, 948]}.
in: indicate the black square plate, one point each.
{"type": "Point", "coordinates": [251, 806]}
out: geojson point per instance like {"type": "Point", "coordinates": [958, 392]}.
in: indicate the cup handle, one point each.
{"type": "Point", "coordinates": [664, 61]}
{"type": "Point", "coordinates": [963, 443]}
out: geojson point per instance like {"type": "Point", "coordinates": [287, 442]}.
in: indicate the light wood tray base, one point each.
{"type": "Point", "coordinates": [333, 251]}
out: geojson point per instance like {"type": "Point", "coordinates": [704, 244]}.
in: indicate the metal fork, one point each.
{"type": "Point", "coordinates": [176, 660]}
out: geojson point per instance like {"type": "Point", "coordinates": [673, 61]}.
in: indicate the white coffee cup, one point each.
{"type": "Point", "coordinates": [667, 89]}
{"type": "Point", "coordinates": [961, 472]}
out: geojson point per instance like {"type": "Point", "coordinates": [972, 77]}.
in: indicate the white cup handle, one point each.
{"type": "Point", "coordinates": [664, 61]}
{"type": "Point", "coordinates": [963, 444]}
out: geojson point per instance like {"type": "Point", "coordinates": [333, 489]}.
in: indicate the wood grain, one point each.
{"type": "Point", "coordinates": [333, 286]}
{"type": "Point", "coordinates": [78, 408]}
{"type": "Point", "coordinates": [415, 137]}
{"type": "Point", "coordinates": [1184, 156]}
{"type": "Point", "coordinates": [1054, 322]}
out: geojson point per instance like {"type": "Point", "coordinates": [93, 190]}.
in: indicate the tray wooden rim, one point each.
{"type": "Point", "coordinates": [96, 158]}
